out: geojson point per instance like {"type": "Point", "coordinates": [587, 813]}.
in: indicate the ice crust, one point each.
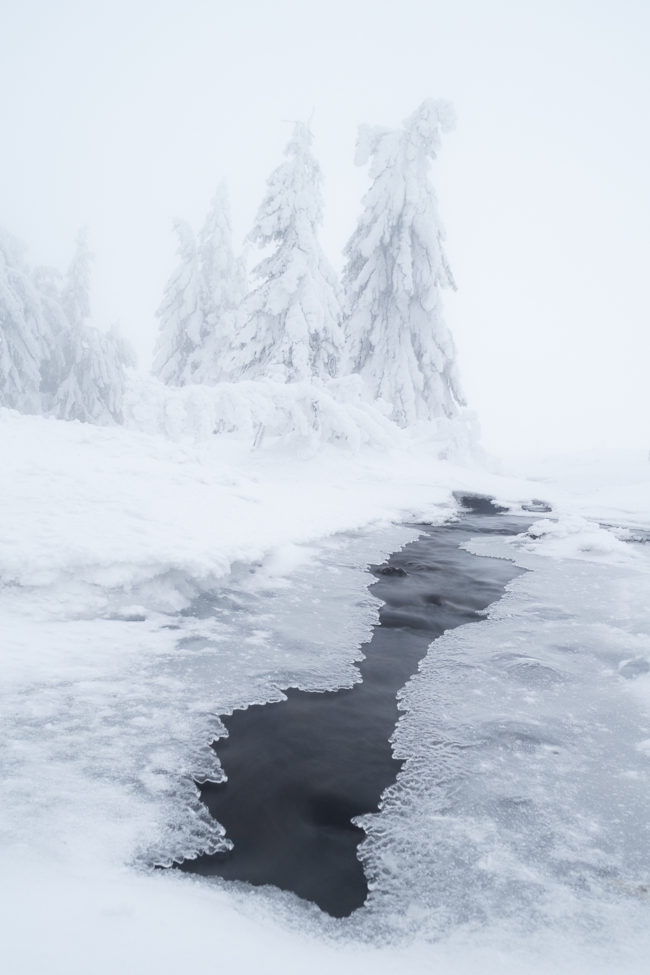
{"type": "Point", "coordinates": [119, 750]}
{"type": "Point", "coordinates": [523, 800]}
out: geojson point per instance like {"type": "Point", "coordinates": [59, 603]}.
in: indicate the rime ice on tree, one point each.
{"type": "Point", "coordinates": [291, 321]}
{"type": "Point", "coordinates": [51, 360]}
{"type": "Point", "coordinates": [75, 295]}
{"type": "Point", "coordinates": [24, 339]}
{"type": "Point", "coordinates": [92, 381]}
{"type": "Point", "coordinates": [223, 284]}
{"type": "Point", "coordinates": [180, 314]}
{"type": "Point", "coordinates": [198, 311]}
{"type": "Point", "coordinates": [396, 269]}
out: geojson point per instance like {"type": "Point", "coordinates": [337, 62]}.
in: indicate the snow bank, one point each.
{"type": "Point", "coordinates": [304, 416]}
{"type": "Point", "coordinates": [257, 411]}
{"type": "Point", "coordinates": [574, 537]}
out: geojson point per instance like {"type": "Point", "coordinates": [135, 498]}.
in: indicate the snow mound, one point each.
{"type": "Point", "coordinates": [574, 537]}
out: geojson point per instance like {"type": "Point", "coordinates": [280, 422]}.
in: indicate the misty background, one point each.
{"type": "Point", "coordinates": [121, 117]}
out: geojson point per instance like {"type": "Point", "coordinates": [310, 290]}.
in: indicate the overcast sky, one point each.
{"type": "Point", "coordinates": [122, 115]}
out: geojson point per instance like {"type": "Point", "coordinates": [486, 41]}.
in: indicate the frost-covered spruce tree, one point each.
{"type": "Point", "coordinates": [198, 311]}
{"type": "Point", "coordinates": [291, 322]}
{"type": "Point", "coordinates": [93, 363]}
{"type": "Point", "coordinates": [24, 339]}
{"type": "Point", "coordinates": [396, 270]}
{"type": "Point", "coordinates": [94, 386]}
{"type": "Point", "coordinates": [48, 284]}
{"type": "Point", "coordinates": [180, 314]}
{"type": "Point", "coordinates": [223, 284]}
{"type": "Point", "coordinates": [75, 296]}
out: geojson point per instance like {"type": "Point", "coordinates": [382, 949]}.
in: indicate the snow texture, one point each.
{"type": "Point", "coordinates": [396, 270]}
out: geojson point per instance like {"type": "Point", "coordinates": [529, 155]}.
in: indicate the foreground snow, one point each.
{"type": "Point", "coordinates": [149, 585]}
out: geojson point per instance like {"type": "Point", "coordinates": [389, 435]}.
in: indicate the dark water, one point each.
{"type": "Point", "coordinates": [300, 770]}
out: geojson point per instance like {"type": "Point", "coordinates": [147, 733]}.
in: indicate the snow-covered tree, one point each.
{"type": "Point", "coordinates": [75, 296]}
{"type": "Point", "coordinates": [51, 360]}
{"type": "Point", "coordinates": [95, 381]}
{"type": "Point", "coordinates": [223, 285]}
{"type": "Point", "coordinates": [291, 322]}
{"type": "Point", "coordinates": [396, 270]}
{"type": "Point", "coordinates": [48, 283]}
{"type": "Point", "coordinates": [198, 311]}
{"type": "Point", "coordinates": [92, 363]}
{"type": "Point", "coordinates": [180, 314]}
{"type": "Point", "coordinates": [24, 339]}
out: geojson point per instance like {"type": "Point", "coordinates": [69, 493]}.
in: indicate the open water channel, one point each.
{"type": "Point", "coordinates": [299, 771]}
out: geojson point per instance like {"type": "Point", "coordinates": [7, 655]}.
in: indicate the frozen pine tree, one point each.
{"type": "Point", "coordinates": [223, 284]}
{"type": "Point", "coordinates": [180, 314]}
{"type": "Point", "coordinates": [51, 360]}
{"type": "Point", "coordinates": [92, 378]}
{"type": "Point", "coordinates": [48, 284]}
{"type": "Point", "coordinates": [291, 321]}
{"type": "Point", "coordinates": [75, 296]}
{"type": "Point", "coordinates": [94, 384]}
{"type": "Point", "coordinates": [24, 339]}
{"type": "Point", "coordinates": [396, 270]}
{"type": "Point", "coordinates": [198, 311]}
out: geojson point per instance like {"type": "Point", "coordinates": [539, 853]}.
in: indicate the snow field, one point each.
{"type": "Point", "coordinates": [148, 585]}
{"type": "Point", "coordinates": [132, 615]}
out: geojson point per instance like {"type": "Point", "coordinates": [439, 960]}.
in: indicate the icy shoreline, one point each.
{"type": "Point", "coordinates": [107, 537]}
{"type": "Point", "coordinates": [301, 771]}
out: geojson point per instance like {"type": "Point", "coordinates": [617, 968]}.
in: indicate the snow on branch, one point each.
{"type": "Point", "coordinates": [261, 412]}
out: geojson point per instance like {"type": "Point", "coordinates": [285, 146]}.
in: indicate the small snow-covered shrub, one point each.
{"type": "Point", "coordinates": [258, 411]}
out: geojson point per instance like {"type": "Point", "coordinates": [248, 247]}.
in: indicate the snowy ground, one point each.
{"type": "Point", "coordinates": [148, 585]}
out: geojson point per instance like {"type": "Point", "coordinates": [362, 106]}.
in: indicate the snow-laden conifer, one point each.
{"type": "Point", "coordinates": [223, 285]}
{"type": "Point", "coordinates": [291, 322]}
{"type": "Point", "coordinates": [48, 282]}
{"type": "Point", "coordinates": [199, 308]}
{"type": "Point", "coordinates": [180, 314]}
{"type": "Point", "coordinates": [95, 381]}
{"type": "Point", "coordinates": [75, 296]}
{"type": "Point", "coordinates": [396, 270]}
{"type": "Point", "coordinates": [93, 363]}
{"type": "Point", "coordinates": [24, 339]}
